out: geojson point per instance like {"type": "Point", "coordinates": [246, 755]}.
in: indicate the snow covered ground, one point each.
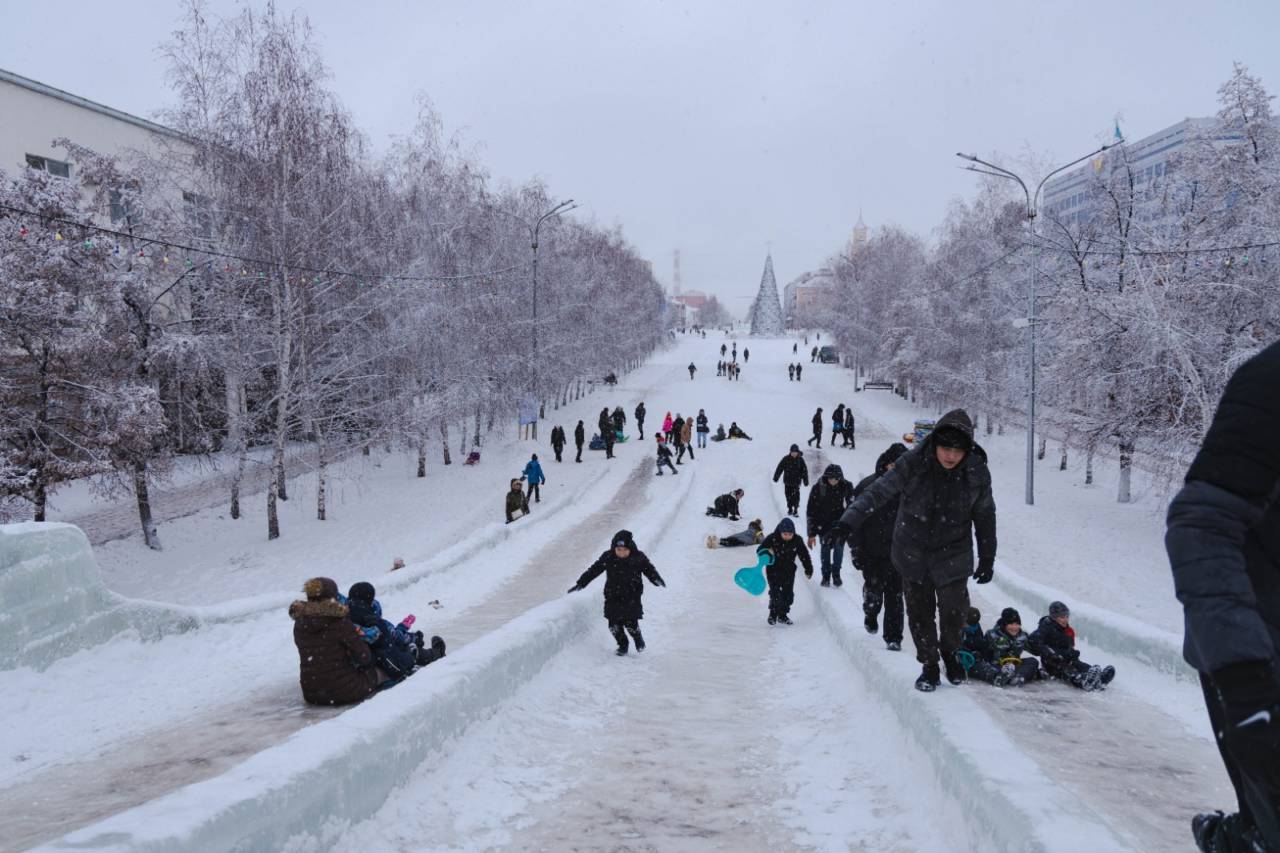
{"type": "Point", "coordinates": [725, 734]}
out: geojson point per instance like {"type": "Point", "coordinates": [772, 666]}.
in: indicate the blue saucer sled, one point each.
{"type": "Point", "coordinates": [752, 577]}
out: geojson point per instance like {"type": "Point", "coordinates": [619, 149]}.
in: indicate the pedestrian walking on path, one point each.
{"type": "Point", "coordinates": [557, 441]}
{"type": "Point", "coordinates": [817, 428]}
{"type": "Point", "coordinates": [785, 546]}
{"type": "Point", "coordinates": [794, 473]}
{"type": "Point", "coordinates": [533, 473]}
{"type": "Point", "coordinates": [827, 500]}
{"type": "Point", "coordinates": [624, 567]}
{"type": "Point", "coordinates": [871, 552]}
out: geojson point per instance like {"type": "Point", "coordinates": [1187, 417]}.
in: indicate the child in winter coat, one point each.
{"type": "Point", "coordinates": [664, 455]}
{"type": "Point", "coordinates": [726, 506]}
{"type": "Point", "coordinates": [720, 435]}
{"type": "Point", "coordinates": [751, 536]}
{"type": "Point", "coordinates": [623, 566]}
{"type": "Point", "coordinates": [666, 426]}
{"type": "Point", "coordinates": [516, 501]}
{"type": "Point", "coordinates": [736, 431]}
{"type": "Point", "coordinates": [1055, 642]}
{"type": "Point", "coordinates": [785, 546]}
{"type": "Point", "coordinates": [1004, 665]}
{"type": "Point", "coordinates": [396, 648]}
{"type": "Point", "coordinates": [533, 473]}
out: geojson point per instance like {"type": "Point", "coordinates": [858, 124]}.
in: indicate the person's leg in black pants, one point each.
{"type": "Point", "coordinates": [579, 459]}
{"type": "Point", "coordinates": [922, 609]}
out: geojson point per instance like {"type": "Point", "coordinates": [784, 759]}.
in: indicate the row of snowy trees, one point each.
{"type": "Point", "coordinates": [1145, 309]}
{"type": "Point", "coordinates": [303, 292]}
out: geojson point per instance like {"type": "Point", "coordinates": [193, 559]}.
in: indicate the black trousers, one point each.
{"type": "Point", "coordinates": [782, 584]}
{"type": "Point", "coordinates": [608, 449]}
{"type": "Point", "coordinates": [682, 450]}
{"type": "Point", "coordinates": [535, 492]}
{"type": "Point", "coordinates": [666, 460]}
{"type": "Point", "coordinates": [579, 458]}
{"type": "Point", "coordinates": [882, 588]}
{"type": "Point", "coordinates": [558, 448]}
{"type": "Point", "coordinates": [817, 436]}
{"type": "Point", "coordinates": [620, 631]}
{"type": "Point", "coordinates": [792, 491]}
{"type": "Point", "coordinates": [932, 607]}
{"type": "Point", "coordinates": [640, 426]}
{"type": "Point", "coordinates": [1253, 765]}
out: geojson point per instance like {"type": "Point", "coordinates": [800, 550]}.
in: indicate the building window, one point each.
{"type": "Point", "coordinates": [57, 168]}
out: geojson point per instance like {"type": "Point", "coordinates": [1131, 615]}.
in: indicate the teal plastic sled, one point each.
{"type": "Point", "coordinates": [752, 577]}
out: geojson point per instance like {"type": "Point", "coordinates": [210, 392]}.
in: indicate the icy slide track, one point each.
{"type": "Point", "coordinates": [881, 674]}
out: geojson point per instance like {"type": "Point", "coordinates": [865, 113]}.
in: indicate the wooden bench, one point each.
{"type": "Point", "coordinates": [877, 385]}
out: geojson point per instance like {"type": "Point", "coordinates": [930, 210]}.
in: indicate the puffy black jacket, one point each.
{"type": "Point", "coordinates": [817, 422]}
{"type": "Point", "coordinates": [702, 424]}
{"type": "Point", "coordinates": [827, 502]}
{"type": "Point", "coordinates": [623, 583]}
{"type": "Point", "coordinates": [1223, 534]}
{"type": "Point", "coordinates": [873, 543]}
{"type": "Point", "coordinates": [1050, 640]}
{"type": "Point", "coordinates": [640, 414]}
{"type": "Point", "coordinates": [792, 470]}
{"type": "Point", "coordinates": [785, 553]}
{"type": "Point", "coordinates": [579, 434]}
{"type": "Point", "coordinates": [557, 437]}
{"type": "Point", "coordinates": [939, 511]}
{"type": "Point", "coordinates": [726, 504]}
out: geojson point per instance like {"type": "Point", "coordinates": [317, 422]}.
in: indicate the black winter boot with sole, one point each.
{"type": "Point", "coordinates": [928, 680]}
{"type": "Point", "coordinates": [871, 624]}
{"type": "Point", "coordinates": [955, 671]}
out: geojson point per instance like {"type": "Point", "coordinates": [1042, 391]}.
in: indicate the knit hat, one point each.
{"type": "Point", "coordinates": [362, 591]}
{"type": "Point", "coordinates": [1057, 608]}
{"type": "Point", "coordinates": [1009, 615]}
{"type": "Point", "coordinates": [974, 617]}
{"type": "Point", "coordinates": [795, 448]}
{"type": "Point", "coordinates": [535, 458]}
{"type": "Point", "coordinates": [785, 526]}
{"type": "Point", "coordinates": [623, 539]}
{"type": "Point", "coordinates": [320, 589]}
{"type": "Point", "coordinates": [953, 438]}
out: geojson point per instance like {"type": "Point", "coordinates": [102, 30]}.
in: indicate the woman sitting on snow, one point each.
{"type": "Point", "coordinates": [335, 665]}
{"type": "Point", "coordinates": [735, 431]}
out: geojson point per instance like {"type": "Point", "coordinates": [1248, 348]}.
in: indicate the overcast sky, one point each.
{"type": "Point", "coordinates": [721, 128]}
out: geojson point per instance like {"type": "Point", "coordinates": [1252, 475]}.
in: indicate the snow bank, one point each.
{"type": "Point", "coordinates": [305, 793]}
{"type": "Point", "coordinates": [1109, 631]}
{"type": "Point", "coordinates": [54, 601]}
{"type": "Point", "coordinates": [1009, 800]}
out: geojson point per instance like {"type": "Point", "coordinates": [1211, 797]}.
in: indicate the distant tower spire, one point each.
{"type": "Point", "coordinates": [859, 233]}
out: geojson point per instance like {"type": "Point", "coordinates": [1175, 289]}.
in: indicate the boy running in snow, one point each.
{"type": "Point", "coordinates": [751, 536]}
{"type": "Point", "coordinates": [664, 455]}
{"type": "Point", "coordinates": [785, 546]}
{"type": "Point", "coordinates": [533, 473]}
{"type": "Point", "coordinates": [1004, 665]}
{"type": "Point", "coordinates": [726, 506]}
{"type": "Point", "coordinates": [623, 566]}
{"type": "Point", "coordinates": [516, 501]}
{"type": "Point", "coordinates": [1054, 640]}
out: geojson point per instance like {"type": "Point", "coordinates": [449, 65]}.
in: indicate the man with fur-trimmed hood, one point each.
{"type": "Point", "coordinates": [941, 491]}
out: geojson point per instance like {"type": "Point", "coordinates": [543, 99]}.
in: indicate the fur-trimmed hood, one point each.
{"type": "Point", "coordinates": [330, 609]}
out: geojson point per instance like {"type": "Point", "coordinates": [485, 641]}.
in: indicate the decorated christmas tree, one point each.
{"type": "Point", "coordinates": [766, 310]}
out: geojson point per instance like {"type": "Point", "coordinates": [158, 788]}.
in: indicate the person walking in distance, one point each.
{"type": "Point", "coordinates": [827, 500]}
{"type": "Point", "coordinates": [686, 440]}
{"type": "Point", "coordinates": [817, 429]}
{"type": "Point", "coordinates": [746, 355]}
{"type": "Point", "coordinates": [677, 431]}
{"type": "Point", "coordinates": [870, 549]}
{"type": "Point", "coordinates": [664, 455]}
{"type": "Point", "coordinates": [799, 367]}
{"type": "Point", "coordinates": [557, 441]}
{"type": "Point", "coordinates": [794, 473]}
{"type": "Point", "coordinates": [1223, 539]}
{"type": "Point", "coordinates": [837, 424]}
{"type": "Point", "coordinates": [848, 429]}
{"type": "Point", "coordinates": [624, 567]}
{"type": "Point", "coordinates": [607, 433]}
{"type": "Point", "coordinates": [791, 372]}
{"type": "Point", "coordinates": [723, 350]}
{"type": "Point", "coordinates": [795, 348]}
{"type": "Point", "coordinates": [579, 439]}
{"type": "Point", "coordinates": [785, 546]}
{"type": "Point", "coordinates": [692, 369]}
{"type": "Point", "coordinates": [813, 356]}
{"type": "Point", "coordinates": [704, 427]}
{"type": "Point", "coordinates": [533, 473]}
{"type": "Point", "coordinates": [941, 491]}
{"type": "Point", "coordinates": [640, 419]}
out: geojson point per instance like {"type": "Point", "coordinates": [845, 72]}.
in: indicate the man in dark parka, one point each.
{"type": "Point", "coordinates": [579, 439]}
{"type": "Point", "coordinates": [794, 473]}
{"type": "Point", "coordinates": [624, 567]}
{"type": "Point", "coordinates": [828, 499]}
{"type": "Point", "coordinates": [607, 433]}
{"type": "Point", "coordinates": [558, 441]}
{"type": "Point", "coordinates": [941, 491]}
{"type": "Point", "coordinates": [1223, 539]}
{"type": "Point", "coordinates": [640, 418]}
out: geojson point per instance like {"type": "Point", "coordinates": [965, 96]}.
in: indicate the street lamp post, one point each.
{"type": "Point", "coordinates": [1033, 203]}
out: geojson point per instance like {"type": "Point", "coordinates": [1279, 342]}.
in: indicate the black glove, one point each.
{"type": "Point", "coordinates": [984, 574]}
{"type": "Point", "coordinates": [660, 582]}
{"type": "Point", "coordinates": [574, 588]}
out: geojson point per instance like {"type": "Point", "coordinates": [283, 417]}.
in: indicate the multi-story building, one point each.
{"type": "Point", "coordinates": [806, 294]}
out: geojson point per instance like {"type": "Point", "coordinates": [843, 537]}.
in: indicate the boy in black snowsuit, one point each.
{"type": "Point", "coordinates": [623, 566]}
{"type": "Point", "coordinates": [664, 455]}
{"type": "Point", "coordinates": [817, 428]}
{"type": "Point", "coordinates": [827, 500]}
{"type": "Point", "coordinates": [785, 546]}
{"type": "Point", "coordinates": [793, 472]}
{"type": "Point", "coordinates": [557, 441]}
{"type": "Point", "coordinates": [870, 549]}
{"type": "Point", "coordinates": [1004, 665]}
{"type": "Point", "coordinates": [726, 506]}
{"type": "Point", "coordinates": [1054, 640]}
{"type": "Point", "coordinates": [791, 372]}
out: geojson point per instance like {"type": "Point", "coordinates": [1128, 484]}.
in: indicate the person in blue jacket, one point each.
{"type": "Point", "coordinates": [533, 473]}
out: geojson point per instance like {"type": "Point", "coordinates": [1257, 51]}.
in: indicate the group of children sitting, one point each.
{"type": "Point", "coordinates": [397, 649]}
{"type": "Point", "coordinates": [996, 656]}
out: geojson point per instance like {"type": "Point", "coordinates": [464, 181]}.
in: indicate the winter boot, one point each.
{"type": "Point", "coordinates": [826, 580]}
{"type": "Point", "coordinates": [893, 645]}
{"type": "Point", "coordinates": [928, 680]}
{"type": "Point", "coordinates": [784, 619]}
{"type": "Point", "coordinates": [955, 670]}
{"type": "Point", "coordinates": [638, 638]}
{"type": "Point", "coordinates": [1215, 832]}
{"type": "Point", "coordinates": [835, 579]}
{"type": "Point", "coordinates": [773, 618]}
{"type": "Point", "coordinates": [870, 622]}
{"type": "Point", "coordinates": [1005, 676]}
{"type": "Point", "coordinates": [712, 540]}
{"type": "Point", "coordinates": [619, 634]}
{"type": "Point", "coordinates": [1091, 680]}
{"type": "Point", "coordinates": [437, 645]}
{"type": "Point", "coordinates": [1108, 673]}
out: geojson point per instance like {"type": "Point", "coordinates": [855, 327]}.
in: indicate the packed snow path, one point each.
{"type": "Point", "coordinates": [725, 734]}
